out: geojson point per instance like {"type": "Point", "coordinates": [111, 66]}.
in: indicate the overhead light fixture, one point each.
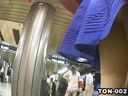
{"type": "Point", "coordinates": [62, 70]}
{"type": "Point", "coordinates": [82, 59]}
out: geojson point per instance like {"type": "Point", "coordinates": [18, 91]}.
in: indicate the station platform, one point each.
{"type": "Point", "coordinates": [5, 89]}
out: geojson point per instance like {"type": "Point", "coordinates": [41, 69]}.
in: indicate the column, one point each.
{"type": "Point", "coordinates": [29, 60]}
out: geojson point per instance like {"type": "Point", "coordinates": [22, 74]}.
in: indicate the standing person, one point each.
{"type": "Point", "coordinates": [62, 87]}
{"type": "Point", "coordinates": [2, 73]}
{"type": "Point", "coordinates": [53, 88]}
{"type": "Point", "coordinates": [72, 76]}
{"type": "Point", "coordinates": [89, 89]}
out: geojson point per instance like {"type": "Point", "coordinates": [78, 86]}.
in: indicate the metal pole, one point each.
{"type": "Point", "coordinates": [29, 60]}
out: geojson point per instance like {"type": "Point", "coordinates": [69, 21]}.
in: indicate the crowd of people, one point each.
{"type": "Point", "coordinates": [5, 74]}
{"type": "Point", "coordinates": [73, 84]}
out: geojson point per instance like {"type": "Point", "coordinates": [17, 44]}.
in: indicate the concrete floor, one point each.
{"type": "Point", "coordinates": [5, 89]}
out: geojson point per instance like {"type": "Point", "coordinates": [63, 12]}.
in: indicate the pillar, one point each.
{"type": "Point", "coordinates": [29, 60]}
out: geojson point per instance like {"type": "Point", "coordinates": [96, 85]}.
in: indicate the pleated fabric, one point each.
{"type": "Point", "coordinates": [97, 22]}
{"type": "Point", "coordinates": [91, 23]}
{"type": "Point", "coordinates": [67, 48]}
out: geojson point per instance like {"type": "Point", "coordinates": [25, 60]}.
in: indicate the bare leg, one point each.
{"type": "Point", "coordinates": [74, 94]}
{"type": "Point", "coordinates": [88, 91]}
{"type": "Point", "coordinates": [114, 66]}
{"type": "Point", "coordinates": [67, 94]}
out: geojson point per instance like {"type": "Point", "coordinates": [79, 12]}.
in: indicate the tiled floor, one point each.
{"type": "Point", "coordinates": [5, 89]}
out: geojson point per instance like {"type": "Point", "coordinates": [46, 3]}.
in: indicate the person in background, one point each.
{"type": "Point", "coordinates": [53, 88]}
{"type": "Point", "coordinates": [62, 87]}
{"type": "Point", "coordinates": [72, 76]}
{"type": "Point", "coordinates": [89, 89]}
{"type": "Point", "coordinates": [2, 73]}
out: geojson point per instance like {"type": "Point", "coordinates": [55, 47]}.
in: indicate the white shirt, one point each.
{"type": "Point", "coordinates": [72, 80]}
{"type": "Point", "coordinates": [2, 70]}
{"type": "Point", "coordinates": [89, 79]}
